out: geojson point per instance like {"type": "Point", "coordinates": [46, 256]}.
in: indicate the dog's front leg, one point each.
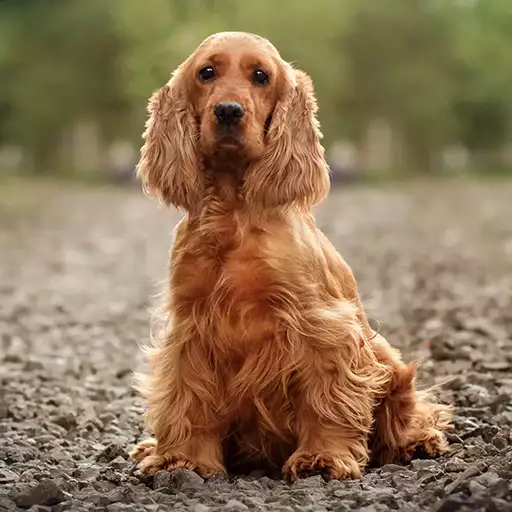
{"type": "Point", "coordinates": [183, 403]}
{"type": "Point", "coordinates": [333, 416]}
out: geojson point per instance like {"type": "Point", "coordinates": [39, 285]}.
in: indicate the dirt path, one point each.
{"type": "Point", "coordinates": [79, 269]}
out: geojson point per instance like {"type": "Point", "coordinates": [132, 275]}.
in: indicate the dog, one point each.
{"type": "Point", "coordinates": [266, 357]}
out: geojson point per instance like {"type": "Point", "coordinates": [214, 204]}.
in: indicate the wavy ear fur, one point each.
{"type": "Point", "coordinates": [293, 169]}
{"type": "Point", "coordinates": [169, 165]}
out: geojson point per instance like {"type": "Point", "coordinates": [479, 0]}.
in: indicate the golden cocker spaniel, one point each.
{"type": "Point", "coordinates": [267, 357]}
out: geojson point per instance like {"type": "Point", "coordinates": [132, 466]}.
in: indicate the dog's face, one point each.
{"type": "Point", "coordinates": [235, 106]}
{"type": "Point", "coordinates": [235, 90]}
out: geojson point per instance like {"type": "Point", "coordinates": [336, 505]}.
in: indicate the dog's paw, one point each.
{"type": "Point", "coordinates": [154, 463]}
{"type": "Point", "coordinates": [329, 466]}
{"type": "Point", "coordinates": [432, 445]}
{"type": "Point", "coordinates": [144, 449]}
{"type": "Point", "coordinates": [150, 461]}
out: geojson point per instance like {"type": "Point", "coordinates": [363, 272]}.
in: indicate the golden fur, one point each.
{"type": "Point", "coordinates": [266, 357]}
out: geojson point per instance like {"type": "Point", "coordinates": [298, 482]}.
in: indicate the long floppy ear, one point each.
{"type": "Point", "coordinates": [169, 165]}
{"type": "Point", "coordinates": [292, 169]}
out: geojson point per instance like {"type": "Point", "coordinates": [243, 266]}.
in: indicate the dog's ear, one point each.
{"type": "Point", "coordinates": [293, 169]}
{"type": "Point", "coordinates": [169, 164]}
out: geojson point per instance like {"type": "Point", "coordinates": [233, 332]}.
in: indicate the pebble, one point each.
{"type": "Point", "coordinates": [201, 508]}
{"type": "Point", "coordinates": [47, 492]}
{"type": "Point", "coordinates": [500, 442]}
{"type": "Point", "coordinates": [455, 465]}
{"type": "Point", "coordinates": [235, 505]}
{"type": "Point", "coordinates": [119, 462]}
{"type": "Point", "coordinates": [393, 468]}
{"type": "Point", "coordinates": [184, 479]}
{"type": "Point", "coordinates": [424, 465]}
{"type": "Point", "coordinates": [7, 476]}
{"type": "Point", "coordinates": [67, 421]}
{"type": "Point", "coordinates": [476, 488]}
{"type": "Point", "coordinates": [162, 480]}
{"type": "Point", "coordinates": [111, 452]}
{"type": "Point", "coordinates": [498, 366]}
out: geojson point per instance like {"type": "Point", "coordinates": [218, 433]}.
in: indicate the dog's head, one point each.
{"type": "Point", "coordinates": [235, 105]}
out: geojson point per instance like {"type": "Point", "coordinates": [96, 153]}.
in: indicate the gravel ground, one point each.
{"type": "Point", "coordinates": [80, 268]}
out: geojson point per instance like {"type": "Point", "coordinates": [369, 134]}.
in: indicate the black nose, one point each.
{"type": "Point", "coordinates": [228, 112]}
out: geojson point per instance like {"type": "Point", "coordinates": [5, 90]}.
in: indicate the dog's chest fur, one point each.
{"type": "Point", "coordinates": [231, 289]}
{"type": "Point", "coordinates": [227, 277]}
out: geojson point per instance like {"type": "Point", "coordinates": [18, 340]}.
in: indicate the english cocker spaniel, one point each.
{"type": "Point", "coordinates": [266, 357]}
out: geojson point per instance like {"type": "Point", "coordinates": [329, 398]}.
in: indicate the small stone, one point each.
{"type": "Point", "coordinates": [119, 463]}
{"type": "Point", "coordinates": [4, 409]}
{"type": "Point", "coordinates": [384, 496]}
{"type": "Point", "coordinates": [6, 503]}
{"type": "Point", "coordinates": [468, 473]}
{"type": "Point", "coordinates": [500, 442]}
{"type": "Point", "coordinates": [311, 481]}
{"type": "Point", "coordinates": [91, 424]}
{"type": "Point", "coordinates": [87, 473]}
{"type": "Point", "coordinates": [506, 417]}
{"type": "Point", "coordinates": [475, 488]}
{"type": "Point", "coordinates": [111, 452]}
{"type": "Point", "coordinates": [467, 424]}
{"type": "Point", "coordinates": [423, 464]}
{"type": "Point", "coordinates": [182, 479]}
{"type": "Point", "coordinates": [104, 486]}
{"type": "Point", "coordinates": [247, 486]}
{"type": "Point", "coordinates": [142, 477]}
{"type": "Point", "coordinates": [487, 432]}
{"type": "Point", "coordinates": [345, 506]}
{"type": "Point", "coordinates": [490, 449]}
{"type": "Point", "coordinates": [440, 349]}
{"type": "Point", "coordinates": [502, 488]}
{"type": "Point", "coordinates": [500, 505]}
{"type": "Point", "coordinates": [66, 421]}
{"type": "Point", "coordinates": [112, 476]}
{"type": "Point", "coordinates": [162, 480]}
{"type": "Point", "coordinates": [488, 479]}
{"type": "Point", "coordinates": [455, 447]}
{"type": "Point", "coordinates": [120, 495]}
{"type": "Point", "coordinates": [392, 468]}
{"type": "Point", "coordinates": [452, 503]}
{"type": "Point", "coordinates": [476, 451]}
{"type": "Point", "coordinates": [107, 418]}
{"type": "Point", "coordinates": [370, 508]}
{"type": "Point", "coordinates": [123, 372]}
{"type": "Point", "coordinates": [343, 493]}
{"type": "Point", "coordinates": [496, 366]}
{"type": "Point", "coordinates": [266, 482]}
{"type": "Point", "coordinates": [456, 383]}
{"type": "Point", "coordinates": [31, 366]}
{"type": "Point", "coordinates": [45, 493]}
{"type": "Point", "coordinates": [43, 439]}
{"type": "Point", "coordinates": [201, 508]}
{"type": "Point", "coordinates": [476, 395]}
{"type": "Point", "coordinates": [456, 465]}
{"type": "Point", "coordinates": [235, 505]}
{"type": "Point", "coordinates": [12, 358]}
{"type": "Point", "coordinates": [7, 476]}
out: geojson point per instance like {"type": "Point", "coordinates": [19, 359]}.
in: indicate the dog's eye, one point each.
{"type": "Point", "coordinates": [260, 77]}
{"type": "Point", "coordinates": [207, 73]}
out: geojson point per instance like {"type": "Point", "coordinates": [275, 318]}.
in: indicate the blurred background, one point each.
{"type": "Point", "coordinates": [405, 86]}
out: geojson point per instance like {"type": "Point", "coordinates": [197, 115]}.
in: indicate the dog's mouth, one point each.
{"type": "Point", "coordinates": [229, 143]}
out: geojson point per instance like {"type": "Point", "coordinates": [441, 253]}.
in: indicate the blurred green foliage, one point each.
{"type": "Point", "coordinates": [438, 71]}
